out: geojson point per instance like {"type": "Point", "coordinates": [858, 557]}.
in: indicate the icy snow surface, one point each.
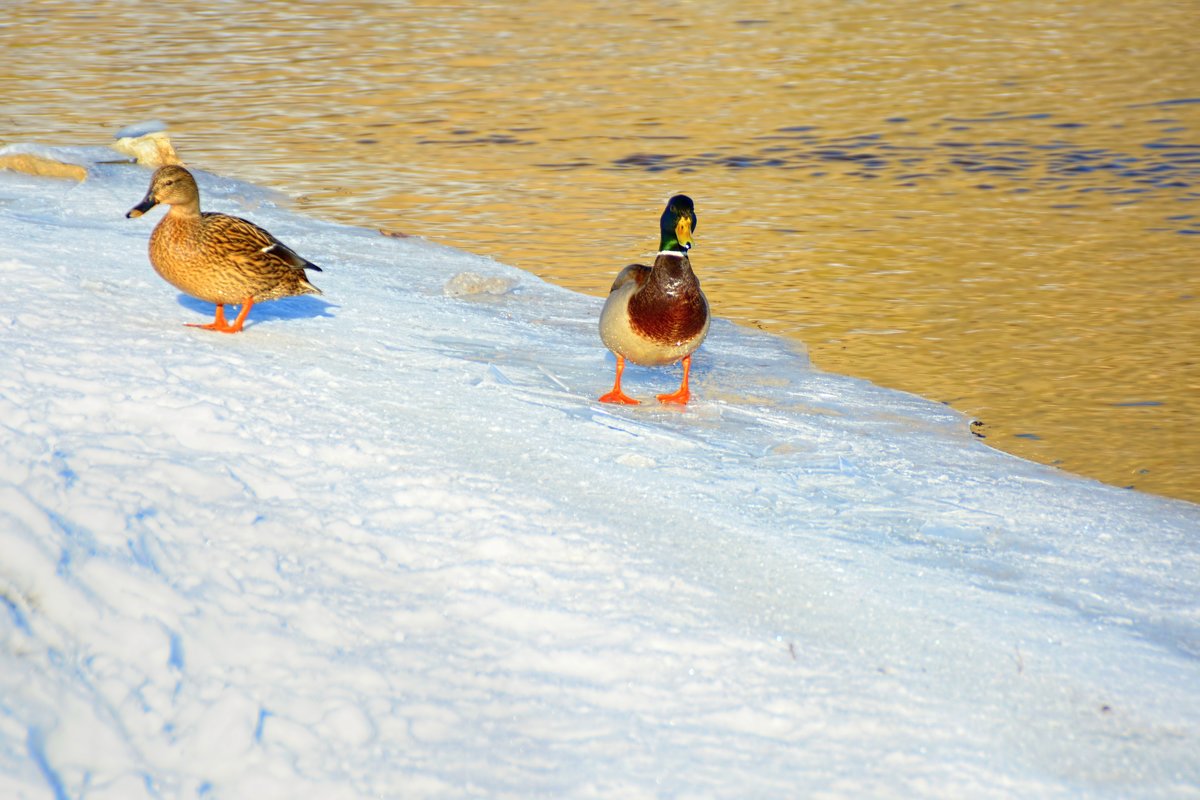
{"type": "Point", "coordinates": [385, 543]}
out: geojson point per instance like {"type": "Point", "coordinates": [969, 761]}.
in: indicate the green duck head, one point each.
{"type": "Point", "coordinates": [677, 224]}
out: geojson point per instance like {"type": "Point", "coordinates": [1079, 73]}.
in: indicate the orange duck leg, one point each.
{"type": "Point", "coordinates": [616, 395]}
{"type": "Point", "coordinates": [682, 395]}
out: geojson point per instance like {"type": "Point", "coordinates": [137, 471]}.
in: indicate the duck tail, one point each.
{"type": "Point", "coordinates": [308, 287]}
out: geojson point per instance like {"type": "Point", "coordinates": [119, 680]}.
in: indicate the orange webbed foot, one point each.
{"type": "Point", "coordinates": [680, 397]}
{"type": "Point", "coordinates": [220, 325]}
{"type": "Point", "coordinates": [617, 396]}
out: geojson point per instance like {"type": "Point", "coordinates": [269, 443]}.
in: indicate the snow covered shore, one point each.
{"type": "Point", "coordinates": [385, 543]}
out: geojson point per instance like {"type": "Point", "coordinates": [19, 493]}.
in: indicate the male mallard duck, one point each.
{"type": "Point", "coordinates": [215, 257]}
{"type": "Point", "coordinates": [658, 315]}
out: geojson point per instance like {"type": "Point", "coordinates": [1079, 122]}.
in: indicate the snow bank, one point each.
{"type": "Point", "coordinates": [385, 543]}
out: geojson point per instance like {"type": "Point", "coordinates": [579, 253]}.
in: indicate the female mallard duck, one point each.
{"type": "Point", "coordinates": [658, 315]}
{"type": "Point", "coordinates": [215, 257]}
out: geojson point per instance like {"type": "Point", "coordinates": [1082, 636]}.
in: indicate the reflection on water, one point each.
{"type": "Point", "coordinates": [994, 207]}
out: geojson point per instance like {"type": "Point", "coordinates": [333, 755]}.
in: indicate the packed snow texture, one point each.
{"type": "Point", "coordinates": [386, 543]}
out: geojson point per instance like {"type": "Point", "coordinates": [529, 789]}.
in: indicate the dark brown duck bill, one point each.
{"type": "Point", "coordinates": [147, 203]}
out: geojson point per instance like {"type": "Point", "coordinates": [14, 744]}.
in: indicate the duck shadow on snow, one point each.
{"type": "Point", "coordinates": [301, 307]}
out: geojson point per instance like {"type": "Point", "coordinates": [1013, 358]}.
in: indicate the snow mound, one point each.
{"type": "Point", "coordinates": [386, 543]}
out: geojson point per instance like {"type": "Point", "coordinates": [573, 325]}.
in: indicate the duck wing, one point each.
{"type": "Point", "coordinates": [250, 242]}
{"type": "Point", "coordinates": [634, 272]}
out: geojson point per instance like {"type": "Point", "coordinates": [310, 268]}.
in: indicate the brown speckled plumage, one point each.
{"type": "Point", "coordinates": [216, 257]}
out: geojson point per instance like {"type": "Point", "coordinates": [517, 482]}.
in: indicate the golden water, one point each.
{"type": "Point", "coordinates": [996, 205]}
